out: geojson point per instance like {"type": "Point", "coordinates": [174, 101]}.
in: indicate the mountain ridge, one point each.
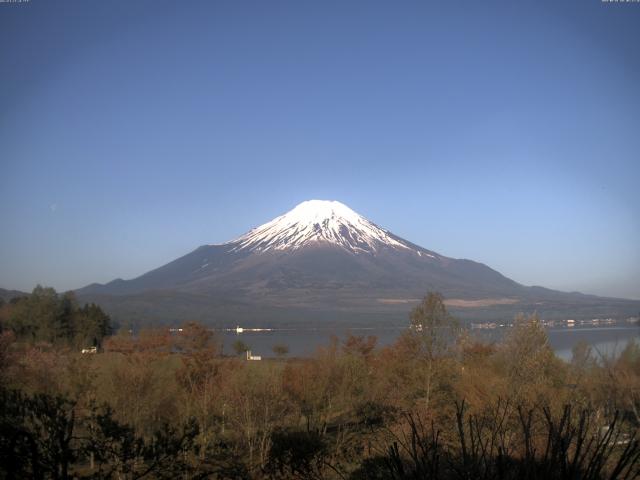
{"type": "Point", "coordinates": [322, 256]}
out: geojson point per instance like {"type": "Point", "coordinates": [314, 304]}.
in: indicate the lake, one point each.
{"type": "Point", "coordinates": [303, 342]}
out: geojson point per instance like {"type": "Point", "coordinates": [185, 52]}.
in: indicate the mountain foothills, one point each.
{"type": "Point", "coordinates": [323, 262]}
{"type": "Point", "coordinates": [6, 295]}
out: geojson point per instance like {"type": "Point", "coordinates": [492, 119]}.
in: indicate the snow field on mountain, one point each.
{"type": "Point", "coordinates": [316, 221]}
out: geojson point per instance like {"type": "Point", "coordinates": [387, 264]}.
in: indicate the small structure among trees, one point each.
{"type": "Point", "coordinates": [253, 357]}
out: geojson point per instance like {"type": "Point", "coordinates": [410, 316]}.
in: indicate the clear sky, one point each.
{"type": "Point", "coordinates": [133, 131]}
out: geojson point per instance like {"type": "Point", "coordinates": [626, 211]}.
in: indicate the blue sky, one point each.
{"type": "Point", "coordinates": [506, 132]}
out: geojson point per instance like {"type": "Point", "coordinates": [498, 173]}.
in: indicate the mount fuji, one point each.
{"type": "Point", "coordinates": [323, 262]}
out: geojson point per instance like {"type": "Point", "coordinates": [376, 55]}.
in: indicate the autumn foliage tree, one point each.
{"type": "Point", "coordinates": [437, 403]}
{"type": "Point", "coordinates": [434, 332]}
{"type": "Point", "coordinates": [198, 377]}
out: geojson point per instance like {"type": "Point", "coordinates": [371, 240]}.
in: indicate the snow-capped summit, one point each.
{"type": "Point", "coordinates": [318, 221]}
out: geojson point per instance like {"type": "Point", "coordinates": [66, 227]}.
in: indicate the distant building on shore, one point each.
{"type": "Point", "coordinates": [253, 357]}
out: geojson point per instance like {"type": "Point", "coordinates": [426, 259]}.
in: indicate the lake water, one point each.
{"type": "Point", "coordinates": [609, 339]}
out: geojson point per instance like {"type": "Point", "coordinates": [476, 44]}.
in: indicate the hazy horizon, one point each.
{"type": "Point", "coordinates": [133, 132]}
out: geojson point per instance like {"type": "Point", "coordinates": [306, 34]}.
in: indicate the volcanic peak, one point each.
{"type": "Point", "coordinates": [315, 222]}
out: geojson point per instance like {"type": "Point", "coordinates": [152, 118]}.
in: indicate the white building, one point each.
{"type": "Point", "coordinates": [253, 357]}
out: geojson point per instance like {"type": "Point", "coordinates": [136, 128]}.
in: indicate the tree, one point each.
{"type": "Point", "coordinates": [297, 455]}
{"type": "Point", "coordinates": [436, 327]}
{"type": "Point", "coordinates": [257, 405]}
{"type": "Point", "coordinates": [45, 316]}
{"type": "Point", "coordinates": [120, 453]}
{"type": "Point", "coordinates": [621, 381]}
{"type": "Point", "coordinates": [313, 386]}
{"type": "Point", "coordinates": [194, 338]}
{"type": "Point", "coordinates": [122, 342]}
{"type": "Point", "coordinates": [198, 376]}
{"type": "Point", "coordinates": [359, 345]}
{"type": "Point", "coordinates": [140, 387]}
{"type": "Point", "coordinates": [64, 327]}
{"type": "Point", "coordinates": [530, 365]}
{"type": "Point", "coordinates": [435, 331]}
{"type": "Point", "coordinates": [37, 435]}
{"type": "Point", "coordinates": [281, 350]}
{"type": "Point", "coordinates": [154, 341]}
{"type": "Point", "coordinates": [240, 347]}
{"type": "Point", "coordinates": [7, 357]}
{"type": "Point", "coordinates": [92, 325]}
{"type": "Point", "coordinates": [34, 318]}
{"type": "Point", "coordinates": [42, 436]}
